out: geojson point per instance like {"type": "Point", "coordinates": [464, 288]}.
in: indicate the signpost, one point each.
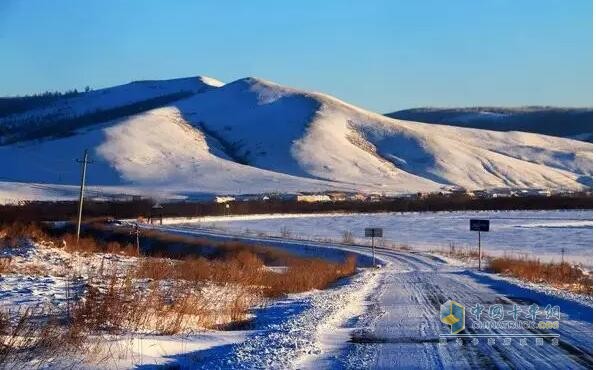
{"type": "Point", "coordinates": [480, 226]}
{"type": "Point", "coordinates": [373, 232]}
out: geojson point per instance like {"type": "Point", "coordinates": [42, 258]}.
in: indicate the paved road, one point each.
{"type": "Point", "coordinates": [401, 328]}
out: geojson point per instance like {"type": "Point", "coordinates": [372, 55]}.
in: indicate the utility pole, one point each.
{"type": "Point", "coordinates": [137, 232]}
{"type": "Point", "coordinates": [373, 251]}
{"type": "Point", "coordinates": [479, 253]}
{"type": "Point", "coordinates": [562, 256]}
{"type": "Point", "coordinates": [82, 192]}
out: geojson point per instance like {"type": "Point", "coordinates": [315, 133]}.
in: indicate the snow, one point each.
{"type": "Point", "coordinates": [334, 332]}
{"type": "Point", "coordinates": [254, 136]}
{"type": "Point", "coordinates": [539, 234]}
{"type": "Point", "coordinates": [289, 332]}
{"type": "Point", "coordinates": [112, 97]}
{"type": "Point", "coordinates": [381, 318]}
{"type": "Point", "coordinates": [392, 320]}
{"type": "Point", "coordinates": [42, 275]}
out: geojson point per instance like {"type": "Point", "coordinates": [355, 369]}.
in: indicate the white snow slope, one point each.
{"type": "Point", "coordinates": [253, 136]}
{"type": "Point", "coordinates": [114, 97]}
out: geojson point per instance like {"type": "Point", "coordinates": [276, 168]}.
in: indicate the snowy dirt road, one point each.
{"type": "Point", "coordinates": [407, 331]}
{"type": "Point", "coordinates": [398, 325]}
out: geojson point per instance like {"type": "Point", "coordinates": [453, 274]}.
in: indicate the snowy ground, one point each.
{"type": "Point", "coordinates": [382, 318]}
{"type": "Point", "coordinates": [534, 233]}
{"type": "Point", "coordinates": [389, 318]}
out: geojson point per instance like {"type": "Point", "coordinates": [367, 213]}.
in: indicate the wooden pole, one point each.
{"type": "Point", "coordinates": [479, 251]}
{"type": "Point", "coordinates": [81, 195]}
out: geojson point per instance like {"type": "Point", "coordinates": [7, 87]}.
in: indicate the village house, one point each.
{"type": "Point", "coordinates": [224, 199]}
{"type": "Point", "coordinates": [312, 197]}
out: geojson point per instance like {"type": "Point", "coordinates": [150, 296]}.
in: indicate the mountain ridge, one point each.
{"type": "Point", "coordinates": [254, 136]}
{"type": "Point", "coordinates": [556, 121]}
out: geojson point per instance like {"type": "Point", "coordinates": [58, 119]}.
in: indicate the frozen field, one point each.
{"type": "Point", "coordinates": [535, 233]}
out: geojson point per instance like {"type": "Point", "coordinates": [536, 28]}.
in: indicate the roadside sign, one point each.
{"type": "Point", "coordinates": [479, 225]}
{"type": "Point", "coordinates": [373, 232]}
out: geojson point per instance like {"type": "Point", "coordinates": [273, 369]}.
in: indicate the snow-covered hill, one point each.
{"type": "Point", "coordinates": [252, 136]}
{"type": "Point", "coordinates": [575, 123]}
{"type": "Point", "coordinates": [61, 116]}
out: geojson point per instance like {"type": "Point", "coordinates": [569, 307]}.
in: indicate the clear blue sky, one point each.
{"type": "Point", "coordinates": [382, 55]}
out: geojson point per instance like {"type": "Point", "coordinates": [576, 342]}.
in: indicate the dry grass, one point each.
{"type": "Point", "coordinates": [128, 306]}
{"type": "Point", "coordinates": [156, 295]}
{"type": "Point", "coordinates": [91, 245]}
{"type": "Point", "coordinates": [15, 234]}
{"type": "Point", "coordinates": [5, 264]}
{"type": "Point", "coordinates": [36, 336]}
{"type": "Point", "coordinates": [347, 237]}
{"type": "Point", "coordinates": [306, 275]}
{"type": "Point", "coordinates": [12, 235]}
{"type": "Point", "coordinates": [561, 275]}
{"type": "Point", "coordinates": [453, 251]}
{"type": "Point", "coordinates": [248, 270]}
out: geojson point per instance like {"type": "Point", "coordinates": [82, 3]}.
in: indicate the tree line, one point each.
{"type": "Point", "coordinates": [35, 211]}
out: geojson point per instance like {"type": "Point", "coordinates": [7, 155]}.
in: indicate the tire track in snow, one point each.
{"type": "Point", "coordinates": [401, 327]}
{"type": "Point", "coordinates": [416, 289]}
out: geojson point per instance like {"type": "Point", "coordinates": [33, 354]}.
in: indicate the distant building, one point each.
{"type": "Point", "coordinates": [224, 199]}
{"type": "Point", "coordinates": [534, 193]}
{"type": "Point", "coordinates": [337, 196]}
{"type": "Point", "coordinates": [356, 197]}
{"type": "Point", "coordinates": [501, 193]}
{"type": "Point", "coordinates": [408, 196]}
{"type": "Point", "coordinates": [312, 198]}
{"type": "Point", "coordinates": [374, 197]}
{"type": "Point", "coordinates": [253, 197]}
{"type": "Point", "coordinates": [481, 194]}
{"type": "Point", "coordinates": [462, 191]}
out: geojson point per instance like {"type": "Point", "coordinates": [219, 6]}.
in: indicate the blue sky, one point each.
{"type": "Point", "coordinates": [382, 55]}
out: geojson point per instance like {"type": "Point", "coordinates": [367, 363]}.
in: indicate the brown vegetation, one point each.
{"type": "Point", "coordinates": [16, 233]}
{"type": "Point", "coordinates": [560, 275]}
{"type": "Point", "coordinates": [248, 270]}
{"type": "Point", "coordinates": [157, 295]}
{"type": "Point", "coordinates": [91, 245]}
{"type": "Point", "coordinates": [35, 336]}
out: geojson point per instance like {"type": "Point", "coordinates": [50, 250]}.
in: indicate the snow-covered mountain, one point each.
{"type": "Point", "coordinates": [575, 123]}
{"type": "Point", "coordinates": [253, 136]}
{"type": "Point", "coordinates": [61, 116]}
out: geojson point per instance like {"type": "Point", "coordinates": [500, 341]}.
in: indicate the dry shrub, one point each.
{"type": "Point", "coordinates": [347, 237]}
{"type": "Point", "coordinates": [15, 234]}
{"type": "Point", "coordinates": [248, 270]}
{"type": "Point", "coordinates": [29, 268]}
{"type": "Point", "coordinates": [562, 275]}
{"type": "Point", "coordinates": [159, 307]}
{"type": "Point", "coordinates": [307, 274]}
{"type": "Point", "coordinates": [12, 235]}
{"type": "Point", "coordinates": [91, 245]}
{"type": "Point", "coordinates": [464, 253]}
{"type": "Point", "coordinates": [157, 268]}
{"type": "Point", "coordinates": [38, 337]}
{"type": "Point", "coordinates": [5, 264]}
